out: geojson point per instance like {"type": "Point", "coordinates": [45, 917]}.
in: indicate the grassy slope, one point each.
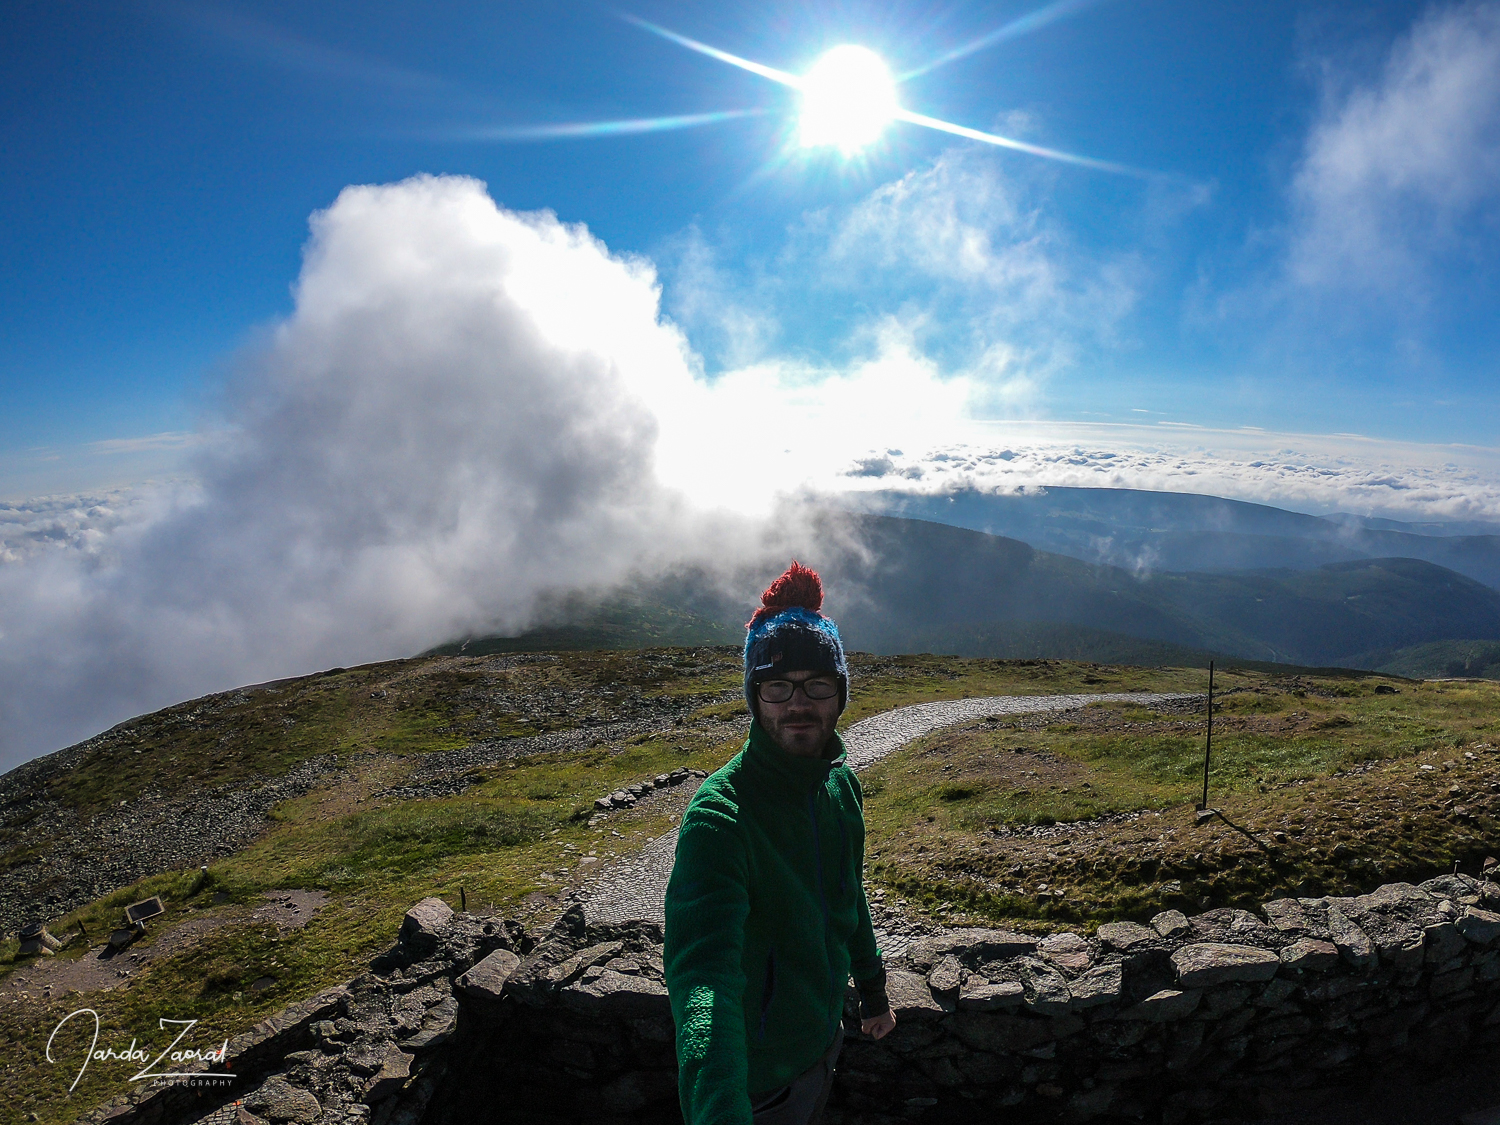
{"type": "Point", "coordinates": [1333, 767]}
{"type": "Point", "coordinates": [516, 840]}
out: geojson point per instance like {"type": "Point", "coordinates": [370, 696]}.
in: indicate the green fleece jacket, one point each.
{"type": "Point", "coordinates": [766, 919]}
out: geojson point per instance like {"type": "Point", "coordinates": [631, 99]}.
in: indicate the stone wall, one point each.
{"type": "Point", "coordinates": [1186, 1019]}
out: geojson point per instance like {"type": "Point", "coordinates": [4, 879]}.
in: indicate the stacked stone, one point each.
{"type": "Point", "coordinates": [1180, 1020]}
{"type": "Point", "coordinates": [1187, 1016]}
{"type": "Point", "coordinates": [370, 1050]}
{"type": "Point", "coordinates": [1177, 1020]}
{"type": "Point", "coordinates": [627, 796]}
{"type": "Point", "coordinates": [588, 1014]}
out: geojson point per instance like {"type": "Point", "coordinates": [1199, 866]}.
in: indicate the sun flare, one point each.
{"type": "Point", "coordinates": [848, 98]}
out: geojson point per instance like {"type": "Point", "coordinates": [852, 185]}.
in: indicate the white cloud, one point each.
{"type": "Point", "coordinates": [958, 257]}
{"type": "Point", "coordinates": [985, 265]}
{"type": "Point", "coordinates": [464, 412]}
{"type": "Point", "coordinates": [1314, 473]}
{"type": "Point", "coordinates": [1396, 169]}
{"type": "Point", "coordinates": [80, 523]}
{"type": "Point", "coordinates": [171, 440]}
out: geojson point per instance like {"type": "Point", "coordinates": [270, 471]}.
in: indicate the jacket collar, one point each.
{"type": "Point", "coordinates": [790, 772]}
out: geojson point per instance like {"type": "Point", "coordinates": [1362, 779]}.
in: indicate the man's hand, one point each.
{"type": "Point", "coordinates": [876, 1026]}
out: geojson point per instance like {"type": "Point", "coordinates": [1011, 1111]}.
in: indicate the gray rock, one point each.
{"type": "Point", "coordinates": [1170, 924]}
{"type": "Point", "coordinates": [1211, 962]}
{"type": "Point", "coordinates": [1397, 940]}
{"type": "Point", "coordinates": [365, 1058]}
{"type": "Point", "coordinates": [438, 1026]}
{"type": "Point", "coordinates": [584, 959]}
{"type": "Point", "coordinates": [1068, 952]}
{"type": "Point", "coordinates": [1310, 954]}
{"type": "Point", "coordinates": [980, 995]}
{"type": "Point", "coordinates": [910, 997]}
{"type": "Point", "coordinates": [1286, 914]}
{"type": "Point", "coordinates": [394, 1072]}
{"type": "Point", "coordinates": [612, 995]}
{"type": "Point", "coordinates": [486, 980]}
{"type": "Point", "coordinates": [1452, 983]}
{"type": "Point", "coordinates": [1126, 936]}
{"type": "Point", "coordinates": [1399, 898]}
{"type": "Point", "coordinates": [1354, 945]}
{"type": "Point", "coordinates": [1046, 989]}
{"type": "Point", "coordinates": [1451, 886]}
{"type": "Point", "coordinates": [1444, 942]}
{"type": "Point", "coordinates": [1481, 927]}
{"type": "Point", "coordinates": [946, 977]}
{"type": "Point", "coordinates": [981, 944]}
{"type": "Point", "coordinates": [277, 1100]}
{"type": "Point", "coordinates": [424, 924]}
{"type": "Point", "coordinates": [1103, 984]}
{"type": "Point", "coordinates": [1168, 1004]}
{"type": "Point", "coordinates": [1276, 993]}
{"type": "Point", "coordinates": [1000, 1033]}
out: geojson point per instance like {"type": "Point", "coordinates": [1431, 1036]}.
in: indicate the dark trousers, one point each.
{"type": "Point", "coordinates": [801, 1101]}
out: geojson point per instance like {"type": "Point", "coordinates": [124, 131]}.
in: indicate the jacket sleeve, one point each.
{"type": "Point", "coordinates": [865, 964]}
{"type": "Point", "coordinates": [707, 903]}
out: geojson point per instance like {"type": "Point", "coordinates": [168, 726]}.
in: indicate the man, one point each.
{"type": "Point", "coordinates": [766, 915]}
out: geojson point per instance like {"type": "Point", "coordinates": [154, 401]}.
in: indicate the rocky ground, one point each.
{"type": "Point", "coordinates": [61, 847]}
{"type": "Point", "coordinates": [77, 857]}
{"type": "Point", "coordinates": [103, 968]}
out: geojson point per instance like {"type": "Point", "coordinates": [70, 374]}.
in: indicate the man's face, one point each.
{"type": "Point", "coordinates": [800, 725]}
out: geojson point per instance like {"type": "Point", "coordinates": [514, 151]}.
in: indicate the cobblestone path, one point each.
{"type": "Point", "coordinates": [634, 887]}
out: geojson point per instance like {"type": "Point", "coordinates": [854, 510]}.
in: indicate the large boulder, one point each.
{"type": "Point", "coordinates": [1210, 962]}
{"type": "Point", "coordinates": [278, 1101]}
{"type": "Point", "coordinates": [424, 925]}
{"type": "Point", "coordinates": [974, 945]}
{"type": "Point", "coordinates": [486, 980]}
{"type": "Point", "coordinates": [607, 994]}
{"type": "Point", "coordinates": [910, 997]}
{"type": "Point", "coordinates": [1481, 927]}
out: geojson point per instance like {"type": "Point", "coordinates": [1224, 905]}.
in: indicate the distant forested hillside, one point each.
{"type": "Point", "coordinates": [921, 586]}
{"type": "Point", "coordinates": [1176, 531]}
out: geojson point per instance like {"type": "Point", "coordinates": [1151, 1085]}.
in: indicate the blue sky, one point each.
{"type": "Point", "coordinates": [162, 162]}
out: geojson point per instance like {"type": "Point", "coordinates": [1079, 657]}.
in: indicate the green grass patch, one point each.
{"type": "Point", "coordinates": [949, 817]}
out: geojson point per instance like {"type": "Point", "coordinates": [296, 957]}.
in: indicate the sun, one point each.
{"type": "Point", "coordinates": [848, 98]}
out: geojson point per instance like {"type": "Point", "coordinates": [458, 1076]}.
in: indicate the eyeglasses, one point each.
{"type": "Point", "coordinates": [779, 691]}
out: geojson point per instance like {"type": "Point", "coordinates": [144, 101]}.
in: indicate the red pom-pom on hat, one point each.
{"type": "Point", "coordinates": [798, 586]}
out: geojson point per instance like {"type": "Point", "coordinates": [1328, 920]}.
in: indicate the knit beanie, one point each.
{"type": "Point", "coordinates": [789, 634]}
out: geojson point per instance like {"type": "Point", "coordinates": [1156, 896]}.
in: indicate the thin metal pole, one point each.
{"type": "Point", "coordinates": [1208, 746]}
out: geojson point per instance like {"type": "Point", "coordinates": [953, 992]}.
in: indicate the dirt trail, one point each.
{"type": "Point", "coordinates": [635, 886]}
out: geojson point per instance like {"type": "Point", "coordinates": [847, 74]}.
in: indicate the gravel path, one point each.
{"type": "Point", "coordinates": [634, 888]}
